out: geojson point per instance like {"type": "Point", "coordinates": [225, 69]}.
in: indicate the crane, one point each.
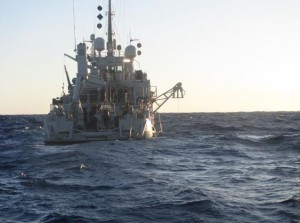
{"type": "Point", "coordinates": [175, 92]}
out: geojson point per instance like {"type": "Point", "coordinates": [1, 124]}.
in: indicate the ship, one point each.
{"type": "Point", "coordinates": [108, 99]}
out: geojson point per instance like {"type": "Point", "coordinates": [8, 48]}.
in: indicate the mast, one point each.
{"type": "Point", "coordinates": [109, 33]}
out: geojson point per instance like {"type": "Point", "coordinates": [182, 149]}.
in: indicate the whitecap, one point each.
{"type": "Point", "coordinates": [255, 137]}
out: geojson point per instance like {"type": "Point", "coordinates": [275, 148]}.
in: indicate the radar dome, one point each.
{"type": "Point", "coordinates": [99, 44]}
{"type": "Point", "coordinates": [130, 52]}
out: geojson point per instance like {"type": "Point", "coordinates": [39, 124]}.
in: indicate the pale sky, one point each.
{"type": "Point", "coordinates": [230, 55]}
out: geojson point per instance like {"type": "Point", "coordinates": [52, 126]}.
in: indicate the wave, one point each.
{"type": "Point", "coordinates": [254, 137]}
{"type": "Point", "coordinates": [294, 200]}
{"type": "Point", "coordinates": [49, 184]}
{"type": "Point", "coordinates": [63, 218]}
{"type": "Point", "coordinates": [198, 206]}
{"type": "Point", "coordinates": [215, 127]}
{"type": "Point", "coordinates": [268, 139]}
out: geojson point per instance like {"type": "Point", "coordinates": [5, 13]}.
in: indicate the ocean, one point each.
{"type": "Point", "coordinates": [205, 167]}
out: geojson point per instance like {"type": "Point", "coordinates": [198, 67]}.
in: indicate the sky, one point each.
{"type": "Point", "coordinates": [230, 55]}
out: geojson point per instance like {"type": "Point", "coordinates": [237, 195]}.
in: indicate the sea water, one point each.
{"type": "Point", "coordinates": [205, 167]}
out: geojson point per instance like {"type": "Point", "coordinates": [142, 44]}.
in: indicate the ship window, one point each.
{"type": "Point", "coordinates": [113, 68]}
{"type": "Point", "coordinates": [120, 68]}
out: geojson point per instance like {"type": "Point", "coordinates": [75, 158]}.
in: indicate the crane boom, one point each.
{"type": "Point", "coordinates": [175, 92]}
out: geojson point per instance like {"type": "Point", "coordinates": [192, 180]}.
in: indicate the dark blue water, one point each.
{"type": "Point", "coordinates": [222, 167]}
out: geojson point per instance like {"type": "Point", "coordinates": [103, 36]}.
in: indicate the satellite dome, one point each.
{"type": "Point", "coordinates": [99, 44]}
{"type": "Point", "coordinates": [130, 52]}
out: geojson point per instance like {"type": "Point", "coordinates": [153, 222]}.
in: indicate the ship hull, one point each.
{"type": "Point", "coordinates": [61, 131]}
{"type": "Point", "coordinates": [80, 139]}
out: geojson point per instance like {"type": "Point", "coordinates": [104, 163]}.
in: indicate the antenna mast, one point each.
{"type": "Point", "coordinates": [74, 27]}
{"type": "Point", "coordinates": [110, 40]}
{"type": "Point", "coordinates": [109, 23]}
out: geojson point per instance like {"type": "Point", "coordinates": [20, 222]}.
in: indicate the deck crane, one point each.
{"type": "Point", "coordinates": [175, 92]}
